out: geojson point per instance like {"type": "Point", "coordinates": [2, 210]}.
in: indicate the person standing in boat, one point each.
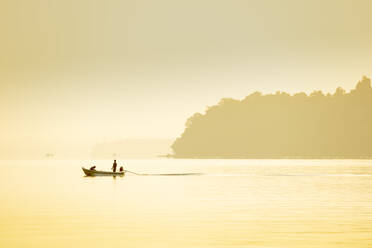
{"type": "Point", "coordinates": [114, 166]}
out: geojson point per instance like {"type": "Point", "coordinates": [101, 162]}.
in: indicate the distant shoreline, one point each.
{"type": "Point", "coordinates": [269, 157]}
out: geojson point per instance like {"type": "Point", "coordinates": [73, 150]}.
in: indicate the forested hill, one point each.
{"type": "Point", "coordinates": [280, 125]}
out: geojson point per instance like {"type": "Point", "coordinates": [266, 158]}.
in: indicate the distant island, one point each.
{"type": "Point", "coordinates": [281, 125]}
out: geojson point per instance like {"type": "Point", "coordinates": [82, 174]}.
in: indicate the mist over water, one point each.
{"type": "Point", "coordinates": [231, 203]}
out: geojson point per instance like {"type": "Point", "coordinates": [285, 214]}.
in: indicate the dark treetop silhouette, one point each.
{"type": "Point", "coordinates": [279, 125]}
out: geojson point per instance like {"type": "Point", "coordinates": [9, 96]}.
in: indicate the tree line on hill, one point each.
{"type": "Point", "coordinates": [280, 125]}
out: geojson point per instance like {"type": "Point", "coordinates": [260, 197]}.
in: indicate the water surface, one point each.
{"type": "Point", "coordinates": [232, 203]}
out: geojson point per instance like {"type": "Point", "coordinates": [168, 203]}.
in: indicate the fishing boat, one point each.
{"type": "Point", "coordinates": [102, 173]}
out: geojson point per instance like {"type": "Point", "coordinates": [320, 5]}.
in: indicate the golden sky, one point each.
{"type": "Point", "coordinates": [84, 71]}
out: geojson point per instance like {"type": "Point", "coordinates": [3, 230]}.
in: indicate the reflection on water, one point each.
{"type": "Point", "coordinates": [229, 203]}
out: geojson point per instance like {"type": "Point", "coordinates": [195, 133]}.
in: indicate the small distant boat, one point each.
{"type": "Point", "coordinates": [102, 173]}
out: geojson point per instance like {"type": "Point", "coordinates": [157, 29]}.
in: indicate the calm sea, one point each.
{"type": "Point", "coordinates": [233, 203]}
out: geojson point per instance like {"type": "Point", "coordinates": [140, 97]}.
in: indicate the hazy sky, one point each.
{"type": "Point", "coordinates": [74, 72]}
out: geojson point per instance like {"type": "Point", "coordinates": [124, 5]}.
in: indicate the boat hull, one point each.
{"type": "Point", "coordinates": [93, 173]}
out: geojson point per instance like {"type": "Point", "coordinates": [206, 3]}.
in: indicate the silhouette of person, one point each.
{"type": "Point", "coordinates": [93, 168]}
{"type": "Point", "coordinates": [114, 166]}
{"type": "Point", "coordinates": [121, 169]}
